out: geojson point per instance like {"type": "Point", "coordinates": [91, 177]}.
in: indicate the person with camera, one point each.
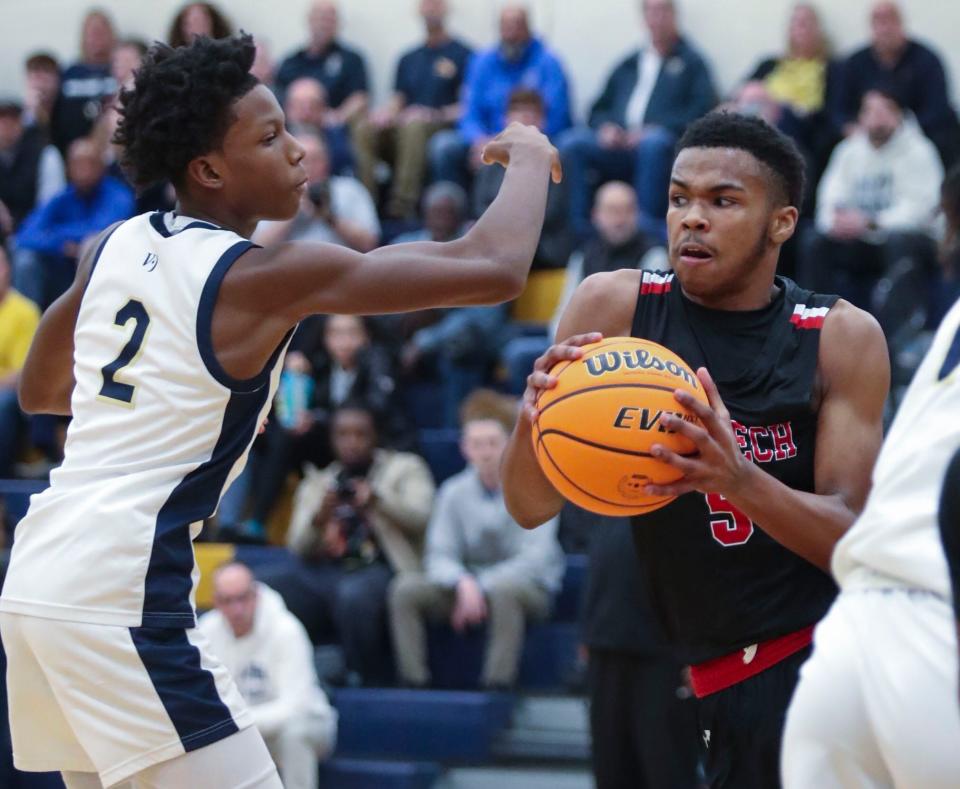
{"type": "Point", "coordinates": [336, 209]}
{"type": "Point", "coordinates": [355, 524]}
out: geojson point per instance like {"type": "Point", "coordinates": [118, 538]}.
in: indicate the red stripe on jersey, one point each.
{"type": "Point", "coordinates": [815, 322]}
{"type": "Point", "coordinates": [656, 288]}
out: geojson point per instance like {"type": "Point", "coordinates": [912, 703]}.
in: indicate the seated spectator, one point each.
{"type": "Point", "coordinates": [264, 68]}
{"type": "Point", "coordinates": [617, 243]}
{"type": "Point", "coordinates": [306, 109]}
{"type": "Point", "coordinates": [127, 57]}
{"type": "Point", "coordinates": [519, 59]}
{"type": "Point", "coordinates": [526, 106]}
{"type": "Point", "coordinates": [319, 377]}
{"type": "Point", "coordinates": [897, 63]}
{"type": "Point", "coordinates": [425, 100]}
{"type": "Point", "coordinates": [85, 84]}
{"type": "Point", "coordinates": [354, 525]}
{"type": "Point", "coordinates": [875, 205]}
{"type": "Point", "coordinates": [462, 346]}
{"type": "Point", "coordinates": [18, 321]}
{"type": "Point", "coordinates": [31, 170]}
{"type": "Point", "coordinates": [48, 243]}
{"type": "Point", "coordinates": [801, 82]}
{"type": "Point", "coordinates": [41, 88]}
{"type": "Point", "coordinates": [268, 654]}
{"type": "Point", "coordinates": [480, 566]}
{"type": "Point", "coordinates": [198, 19]}
{"type": "Point", "coordinates": [342, 70]}
{"type": "Point", "coordinates": [444, 213]}
{"type": "Point", "coordinates": [645, 106]}
{"type": "Point", "coordinates": [335, 209]}
{"type": "Point", "coordinates": [947, 290]}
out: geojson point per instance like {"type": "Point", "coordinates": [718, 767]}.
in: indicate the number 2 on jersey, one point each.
{"type": "Point", "coordinates": [733, 527]}
{"type": "Point", "coordinates": [113, 389]}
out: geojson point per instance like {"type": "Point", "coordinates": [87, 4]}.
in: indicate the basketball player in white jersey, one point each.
{"type": "Point", "coordinates": [876, 705]}
{"type": "Point", "coordinates": [167, 351]}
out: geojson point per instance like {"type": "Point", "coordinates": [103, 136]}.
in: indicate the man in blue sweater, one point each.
{"type": "Point", "coordinates": [519, 60]}
{"type": "Point", "coordinates": [50, 238]}
{"type": "Point", "coordinates": [648, 100]}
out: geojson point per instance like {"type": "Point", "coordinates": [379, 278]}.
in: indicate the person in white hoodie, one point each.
{"type": "Point", "coordinates": [267, 652]}
{"type": "Point", "coordinates": [876, 205]}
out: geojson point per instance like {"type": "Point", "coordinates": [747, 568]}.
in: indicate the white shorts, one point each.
{"type": "Point", "coordinates": [112, 700]}
{"type": "Point", "coordinates": [876, 705]}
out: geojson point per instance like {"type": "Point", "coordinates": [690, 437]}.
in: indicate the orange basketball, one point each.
{"type": "Point", "coordinates": [596, 428]}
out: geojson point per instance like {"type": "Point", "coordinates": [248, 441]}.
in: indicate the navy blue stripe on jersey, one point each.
{"type": "Point", "coordinates": [187, 691]}
{"type": "Point", "coordinates": [952, 359]}
{"type": "Point", "coordinates": [949, 518]}
{"type": "Point", "coordinates": [166, 601]}
{"type": "Point", "coordinates": [160, 225]}
{"type": "Point", "coordinates": [208, 299]}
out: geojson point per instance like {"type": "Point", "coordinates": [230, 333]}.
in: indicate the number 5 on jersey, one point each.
{"type": "Point", "coordinates": [114, 391]}
{"type": "Point", "coordinates": [732, 527]}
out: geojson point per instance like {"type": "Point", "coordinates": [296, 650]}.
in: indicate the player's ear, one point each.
{"type": "Point", "coordinates": [783, 223]}
{"type": "Point", "coordinates": [205, 172]}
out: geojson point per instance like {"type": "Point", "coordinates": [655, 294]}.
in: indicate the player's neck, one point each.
{"type": "Point", "coordinates": [755, 298]}
{"type": "Point", "coordinates": [242, 225]}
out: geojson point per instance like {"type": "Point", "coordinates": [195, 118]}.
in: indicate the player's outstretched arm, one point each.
{"type": "Point", "coordinates": [278, 286]}
{"type": "Point", "coordinates": [46, 381]}
{"type": "Point", "coordinates": [601, 306]}
{"type": "Point", "coordinates": [854, 376]}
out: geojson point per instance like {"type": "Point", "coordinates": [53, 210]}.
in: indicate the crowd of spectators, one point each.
{"type": "Point", "coordinates": [376, 551]}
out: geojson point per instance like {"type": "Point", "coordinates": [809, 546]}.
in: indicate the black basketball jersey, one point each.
{"type": "Point", "coordinates": [719, 582]}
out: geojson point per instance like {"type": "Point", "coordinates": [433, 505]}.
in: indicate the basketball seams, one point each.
{"type": "Point", "coordinates": [605, 447]}
{"type": "Point", "coordinates": [560, 471]}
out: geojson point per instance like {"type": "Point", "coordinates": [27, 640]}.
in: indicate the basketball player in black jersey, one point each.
{"type": "Point", "coordinates": [738, 563]}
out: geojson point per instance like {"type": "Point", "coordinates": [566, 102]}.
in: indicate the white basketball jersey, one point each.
{"type": "Point", "coordinates": [159, 431]}
{"type": "Point", "coordinates": [896, 538]}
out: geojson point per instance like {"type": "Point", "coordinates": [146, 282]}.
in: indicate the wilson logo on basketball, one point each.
{"type": "Point", "coordinates": [611, 361]}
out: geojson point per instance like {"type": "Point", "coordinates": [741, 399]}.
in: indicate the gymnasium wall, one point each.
{"type": "Point", "coordinates": [590, 35]}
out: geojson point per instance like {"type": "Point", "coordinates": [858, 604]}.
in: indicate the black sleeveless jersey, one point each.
{"type": "Point", "coordinates": [719, 582]}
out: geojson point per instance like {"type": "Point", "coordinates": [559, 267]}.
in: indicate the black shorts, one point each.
{"type": "Point", "coordinates": [741, 727]}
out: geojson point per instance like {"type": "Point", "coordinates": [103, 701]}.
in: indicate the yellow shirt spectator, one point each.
{"type": "Point", "coordinates": [18, 321]}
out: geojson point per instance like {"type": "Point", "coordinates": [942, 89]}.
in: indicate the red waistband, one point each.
{"type": "Point", "coordinates": [722, 672]}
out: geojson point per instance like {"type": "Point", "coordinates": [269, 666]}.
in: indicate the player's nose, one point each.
{"type": "Point", "coordinates": [695, 219]}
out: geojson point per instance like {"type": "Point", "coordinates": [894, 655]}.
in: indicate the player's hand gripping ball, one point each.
{"type": "Point", "coordinates": [596, 427]}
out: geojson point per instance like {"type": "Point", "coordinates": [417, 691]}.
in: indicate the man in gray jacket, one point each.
{"type": "Point", "coordinates": [481, 567]}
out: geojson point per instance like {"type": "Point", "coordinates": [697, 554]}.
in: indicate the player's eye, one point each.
{"type": "Point", "coordinates": [678, 200]}
{"type": "Point", "coordinates": [269, 139]}
{"type": "Point", "coordinates": [723, 202]}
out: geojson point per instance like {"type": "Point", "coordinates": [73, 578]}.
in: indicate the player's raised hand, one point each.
{"type": "Point", "coordinates": [719, 466]}
{"type": "Point", "coordinates": [516, 139]}
{"type": "Point", "coordinates": [540, 378]}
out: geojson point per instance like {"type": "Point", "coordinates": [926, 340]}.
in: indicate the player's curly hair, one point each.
{"type": "Point", "coordinates": [722, 129]}
{"type": "Point", "coordinates": [180, 106]}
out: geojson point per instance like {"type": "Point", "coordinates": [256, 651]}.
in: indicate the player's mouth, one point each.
{"type": "Point", "coordinates": [301, 187]}
{"type": "Point", "coordinates": [693, 254]}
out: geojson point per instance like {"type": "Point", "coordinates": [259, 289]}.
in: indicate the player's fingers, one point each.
{"type": "Point", "coordinates": [541, 380]}
{"type": "Point", "coordinates": [688, 465]}
{"type": "Point", "coordinates": [695, 432]}
{"type": "Point", "coordinates": [676, 489]}
{"type": "Point", "coordinates": [556, 167]}
{"type": "Point", "coordinates": [583, 339]}
{"type": "Point", "coordinates": [713, 395]}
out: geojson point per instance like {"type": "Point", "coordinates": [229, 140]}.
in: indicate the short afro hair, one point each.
{"type": "Point", "coordinates": [180, 106]}
{"type": "Point", "coordinates": [779, 154]}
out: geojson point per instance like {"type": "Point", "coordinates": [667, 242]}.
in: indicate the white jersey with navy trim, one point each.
{"type": "Point", "coordinates": [159, 431]}
{"type": "Point", "coordinates": [896, 540]}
